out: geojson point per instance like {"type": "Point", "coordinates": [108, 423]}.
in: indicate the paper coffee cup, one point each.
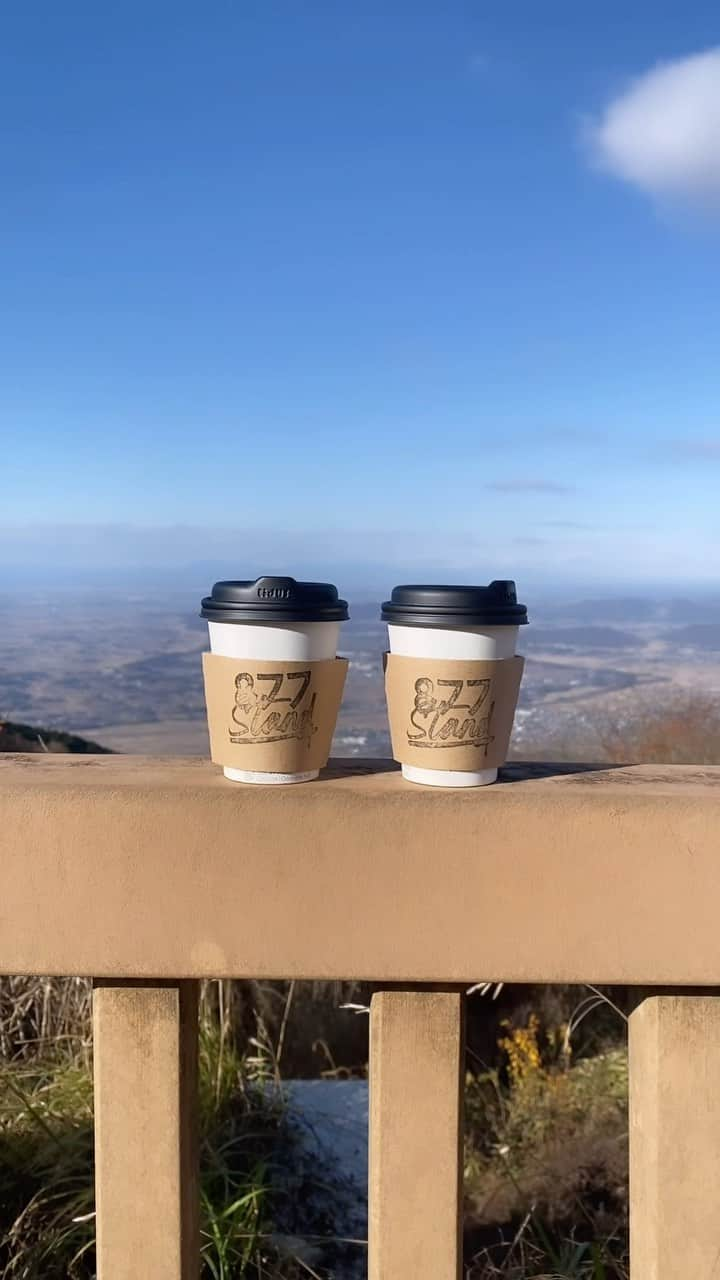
{"type": "Point", "coordinates": [452, 701]}
{"type": "Point", "coordinates": [276, 696]}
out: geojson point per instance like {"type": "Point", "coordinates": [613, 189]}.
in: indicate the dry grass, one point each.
{"type": "Point", "coordinates": [47, 1227]}
{"type": "Point", "coordinates": [42, 1016]}
{"type": "Point", "coordinates": [546, 1161]}
{"type": "Point", "coordinates": [545, 1169]}
{"type": "Point", "coordinates": [301, 1021]}
{"type": "Point", "coordinates": [534, 1253]}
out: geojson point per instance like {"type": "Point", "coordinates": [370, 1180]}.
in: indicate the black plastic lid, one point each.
{"type": "Point", "coordinates": [274, 600]}
{"type": "Point", "coordinates": [425, 606]}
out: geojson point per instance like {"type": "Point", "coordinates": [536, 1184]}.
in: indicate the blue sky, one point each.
{"type": "Point", "coordinates": [402, 282]}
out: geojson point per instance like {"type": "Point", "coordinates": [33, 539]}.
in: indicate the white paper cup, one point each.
{"type": "Point", "coordinates": [488, 644]}
{"type": "Point", "coordinates": [470, 623]}
{"type": "Point", "coordinates": [273, 641]}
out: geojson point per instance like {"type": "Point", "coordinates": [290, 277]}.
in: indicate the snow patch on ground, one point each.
{"type": "Point", "coordinates": [327, 1122]}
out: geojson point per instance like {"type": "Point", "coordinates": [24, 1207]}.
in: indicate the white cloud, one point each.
{"type": "Point", "coordinates": [663, 133]}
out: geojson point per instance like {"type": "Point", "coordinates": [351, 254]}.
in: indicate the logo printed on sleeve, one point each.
{"type": "Point", "coordinates": [453, 719]}
{"type": "Point", "coordinates": [278, 710]}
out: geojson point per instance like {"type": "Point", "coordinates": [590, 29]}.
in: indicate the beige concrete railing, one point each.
{"type": "Point", "coordinates": [148, 875]}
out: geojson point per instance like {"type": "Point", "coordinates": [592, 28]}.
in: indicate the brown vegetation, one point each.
{"type": "Point", "coordinates": [685, 734]}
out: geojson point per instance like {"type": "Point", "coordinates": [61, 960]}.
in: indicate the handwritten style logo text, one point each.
{"type": "Point", "coordinates": [278, 710]}
{"type": "Point", "coordinates": [447, 721]}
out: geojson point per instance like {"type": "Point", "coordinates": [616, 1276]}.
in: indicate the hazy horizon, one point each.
{"type": "Point", "coordinates": [362, 584]}
{"type": "Point", "coordinates": [63, 554]}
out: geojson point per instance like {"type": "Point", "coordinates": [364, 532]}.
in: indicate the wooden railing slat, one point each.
{"type": "Point", "coordinates": [415, 1195]}
{"type": "Point", "coordinates": [145, 1054]}
{"type": "Point", "coordinates": [675, 1138]}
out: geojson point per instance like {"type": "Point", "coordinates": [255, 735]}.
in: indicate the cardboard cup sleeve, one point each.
{"type": "Point", "coordinates": [450, 714]}
{"type": "Point", "coordinates": [275, 717]}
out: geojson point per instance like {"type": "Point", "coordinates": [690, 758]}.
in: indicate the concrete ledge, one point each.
{"type": "Point", "coordinates": [147, 868]}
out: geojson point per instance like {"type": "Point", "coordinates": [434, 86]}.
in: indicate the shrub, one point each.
{"type": "Point", "coordinates": [547, 1148]}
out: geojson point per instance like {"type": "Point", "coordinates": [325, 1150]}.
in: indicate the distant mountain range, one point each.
{"type": "Point", "coordinates": [576, 638]}
{"type": "Point", "coordinates": [627, 609]}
